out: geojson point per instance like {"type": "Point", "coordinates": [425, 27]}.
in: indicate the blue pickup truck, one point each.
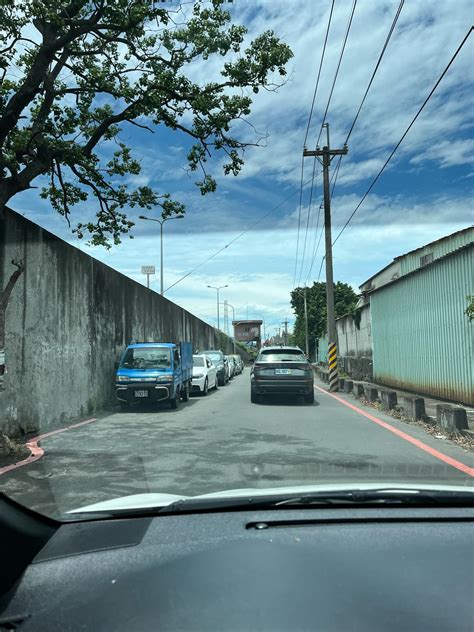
{"type": "Point", "coordinates": [154, 372]}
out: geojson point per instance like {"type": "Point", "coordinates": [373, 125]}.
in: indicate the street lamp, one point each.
{"type": "Point", "coordinates": [161, 222]}
{"type": "Point", "coordinates": [217, 290]}
{"type": "Point", "coordinates": [233, 319]}
{"type": "Point", "coordinates": [306, 335]}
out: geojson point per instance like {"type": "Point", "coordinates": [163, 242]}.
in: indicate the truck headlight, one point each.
{"type": "Point", "coordinates": [164, 378]}
{"type": "Point", "coordinates": [122, 378]}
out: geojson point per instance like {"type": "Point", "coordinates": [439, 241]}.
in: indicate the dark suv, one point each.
{"type": "Point", "coordinates": [222, 364]}
{"type": "Point", "coordinates": [281, 371]}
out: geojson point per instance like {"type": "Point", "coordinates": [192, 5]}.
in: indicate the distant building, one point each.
{"type": "Point", "coordinates": [248, 332]}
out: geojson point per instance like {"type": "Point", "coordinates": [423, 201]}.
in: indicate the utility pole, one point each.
{"type": "Point", "coordinates": [327, 155]}
{"type": "Point", "coordinates": [285, 333]}
{"type": "Point", "coordinates": [306, 331]}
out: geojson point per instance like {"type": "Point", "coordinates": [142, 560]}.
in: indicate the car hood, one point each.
{"type": "Point", "coordinates": [157, 500]}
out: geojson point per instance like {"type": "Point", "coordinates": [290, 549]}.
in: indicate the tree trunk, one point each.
{"type": "Point", "coordinates": [5, 297]}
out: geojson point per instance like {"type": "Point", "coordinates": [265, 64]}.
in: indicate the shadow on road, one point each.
{"type": "Point", "coordinates": [284, 400]}
{"type": "Point", "coordinates": [158, 407]}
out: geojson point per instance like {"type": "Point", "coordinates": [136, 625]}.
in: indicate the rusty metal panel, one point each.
{"type": "Point", "coordinates": [414, 260]}
{"type": "Point", "coordinates": [422, 338]}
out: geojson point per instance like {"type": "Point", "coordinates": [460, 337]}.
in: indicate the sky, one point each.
{"type": "Point", "coordinates": [252, 220]}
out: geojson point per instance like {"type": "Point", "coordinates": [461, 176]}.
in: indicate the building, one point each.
{"type": "Point", "coordinates": [248, 332]}
{"type": "Point", "coordinates": [412, 331]}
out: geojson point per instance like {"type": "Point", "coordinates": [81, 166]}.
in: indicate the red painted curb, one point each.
{"type": "Point", "coordinates": [403, 435]}
{"type": "Point", "coordinates": [36, 451]}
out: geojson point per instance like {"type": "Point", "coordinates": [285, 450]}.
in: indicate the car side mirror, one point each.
{"type": "Point", "coordinates": [116, 365]}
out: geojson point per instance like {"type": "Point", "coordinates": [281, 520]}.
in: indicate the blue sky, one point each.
{"type": "Point", "coordinates": [426, 192]}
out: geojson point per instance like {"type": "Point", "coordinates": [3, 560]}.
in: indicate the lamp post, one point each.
{"type": "Point", "coordinates": [221, 287]}
{"type": "Point", "coordinates": [161, 222]}
{"type": "Point", "coordinates": [233, 319]}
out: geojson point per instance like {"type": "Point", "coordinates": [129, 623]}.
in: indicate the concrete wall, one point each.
{"type": "Point", "coordinates": [67, 321]}
{"type": "Point", "coordinates": [354, 341]}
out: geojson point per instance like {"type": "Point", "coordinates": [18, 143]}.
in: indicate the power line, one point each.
{"type": "Point", "coordinates": [319, 74]}
{"type": "Point", "coordinates": [274, 208]}
{"type": "Point", "coordinates": [305, 138]}
{"type": "Point", "coordinates": [341, 55]}
{"type": "Point", "coordinates": [379, 60]}
{"type": "Point", "coordinates": [338, 67]}
{"type": "Point", "coordinates": [307, 219]}
{"type": "Point", "coordinates": [441, 77]}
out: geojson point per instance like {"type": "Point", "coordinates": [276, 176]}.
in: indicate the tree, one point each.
{"type": "Point", "coordinates": [75, 74]}
{"type": "Point", "coordinates": [345, 301]}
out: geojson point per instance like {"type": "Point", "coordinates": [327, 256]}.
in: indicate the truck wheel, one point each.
{"type": "Point", "coordinates": [174, 403]}
{"type": "Point", "coordinates": [309, 399]}
{"type": "Point", "coordinates": [204, 390]}
{"type": "Point", "coordinates": [186, 393]}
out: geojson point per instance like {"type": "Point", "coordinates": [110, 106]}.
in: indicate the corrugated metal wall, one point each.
{"type": "Point", "coordinates": [323, 349]}
{"type": "Point", "coordinates": [422, 339]}
{"type": "Point", "coordinates": [411, 261]}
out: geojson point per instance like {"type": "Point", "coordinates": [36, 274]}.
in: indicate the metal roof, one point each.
{"type": "Point", "coordinates": [399, 257]}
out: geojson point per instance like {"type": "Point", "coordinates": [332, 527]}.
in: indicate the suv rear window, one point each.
{"type": "Point", "coordinates": [285, 355]}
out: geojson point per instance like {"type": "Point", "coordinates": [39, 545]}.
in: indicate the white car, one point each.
{"type": "Point", "coordinates": [231, 361]}
{"type": "Point", "coordinates": [204, 374]}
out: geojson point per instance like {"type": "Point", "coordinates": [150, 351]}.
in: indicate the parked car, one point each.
{"type": "Point", "coordinates": [239, 365]}
{"type": "Point", "coordinates": [230, 360]}
{"type": "Point", "coordinates": [204, 374]}
{"type": "Point", "coordinates": [282, 370]}
{"type": "Point", "coordinates": [219, 359]}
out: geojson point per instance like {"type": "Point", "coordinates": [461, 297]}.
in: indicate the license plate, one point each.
{"type": "Point", "coordinates": [141, 393]}
{"type": "Point", "coordinates": [282, 371]}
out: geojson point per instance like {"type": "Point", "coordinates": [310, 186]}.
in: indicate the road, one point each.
{"type": "Point", "coordinates": [223, 441]}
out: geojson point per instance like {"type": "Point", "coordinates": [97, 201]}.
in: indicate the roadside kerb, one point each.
{"type": "Point", "coordinates": [388, 398]}
{"type": "Point", "coordinates": [414, 407]}
{"type": "Point", "coordinates": [358, 388]}
{"type": "Point", "coordinates": [451, 418]}
{"type": "Point", "coordinates": [371, 393]}
{"type": "Point", "coordinates": [348, 386]}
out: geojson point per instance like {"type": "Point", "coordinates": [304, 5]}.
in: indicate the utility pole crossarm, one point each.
{"type": "Point", "coordinates": [325, 150]}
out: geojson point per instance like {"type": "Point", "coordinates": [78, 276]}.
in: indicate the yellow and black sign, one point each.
{"type": "Point", "coordinates": [332, 360]}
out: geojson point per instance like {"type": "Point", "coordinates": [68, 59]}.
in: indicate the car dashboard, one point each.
{"type": "Point", "coordinates": [319, 569]}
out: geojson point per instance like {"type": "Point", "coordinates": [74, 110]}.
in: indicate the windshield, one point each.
{"type": "Point", "coordinates": [289, 355]}
{"type": "Point", "coordinates": [288, 181]}
{"type": "Point", "coordinates": [146, 358]}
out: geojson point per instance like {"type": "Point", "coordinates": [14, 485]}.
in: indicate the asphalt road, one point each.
{"type": "Point", "coordinates": [222, 441]}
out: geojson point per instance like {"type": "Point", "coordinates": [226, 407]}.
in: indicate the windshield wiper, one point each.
{"type": "Point", "coordinates": [382, 496]}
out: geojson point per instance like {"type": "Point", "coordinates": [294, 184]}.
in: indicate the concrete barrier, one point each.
{"type": "Point", "coordinates": [451, 418]}
{"type": "Point", "coordinates": [413, 407]}
{"type": "Point", "coordinates": [358, 388]}
{"type": "Point", "coordinates": [388, 398]}
{"type": "Point", "coordinates": [370, 393]}
{"type": "Point", "coordinates": [341, 383]}
{"type": "Point", "coordinates": [348, 386]}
